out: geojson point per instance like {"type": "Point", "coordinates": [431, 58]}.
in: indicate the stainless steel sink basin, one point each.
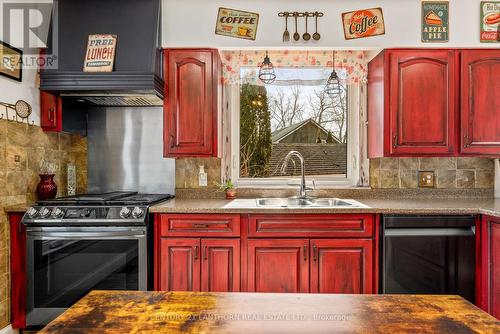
{"type": "Point", "coordinates": [306, 203]}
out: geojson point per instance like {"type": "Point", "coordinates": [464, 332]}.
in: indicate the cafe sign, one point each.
{"type": "Point", "coordinates": [363, 23]}
{"type": "Point", "coordinates": [237, 23]}
{"type": "Point", "coordinates": [100, 55]}
{"type": "Point", "coordinates": [435, 21]}
{"type": "Point", "coordinates": [490, 22]}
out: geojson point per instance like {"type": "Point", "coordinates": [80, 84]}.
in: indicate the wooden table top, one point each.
{"type": "Point", "coordinates": [199, 312]}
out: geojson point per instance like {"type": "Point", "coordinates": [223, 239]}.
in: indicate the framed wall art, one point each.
{"type": "Point", "coordinates": [490, 22]}
{"type": "Point", "coordinates": [435, 21]}
{"type": "Point", "coordinates": [237, 23]}
{"type": "Point", "coordinates": [11, 62]}
{"type": "Point", "coordinates": [100, 55]}
{"type": "Point", "coordinates": [363, 23]}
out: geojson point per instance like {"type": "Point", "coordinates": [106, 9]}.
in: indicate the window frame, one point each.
{"type": "Point", "coordinates": [354, 99]}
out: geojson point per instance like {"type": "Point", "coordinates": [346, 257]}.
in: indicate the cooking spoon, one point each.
{"type": "Point", "coordinates": [316, 35]}
{"type": "Point", "coordinates": [306, 36]}
{"type": "Point", "coordinates": [296, 35]}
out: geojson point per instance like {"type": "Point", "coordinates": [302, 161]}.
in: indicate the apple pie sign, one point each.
{"type": "Point", "coordinates": [363, 23]}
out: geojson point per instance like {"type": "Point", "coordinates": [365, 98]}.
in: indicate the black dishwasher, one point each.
{"type": "Point", "coordinates": [428, 255]}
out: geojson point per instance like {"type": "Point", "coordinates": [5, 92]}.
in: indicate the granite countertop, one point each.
{"type": "Point", "coordinates": [17, 208]}
{"type": "Point", "coordinates": [386, 206]}
{"type": "Point", "coordinates": [205, 312]}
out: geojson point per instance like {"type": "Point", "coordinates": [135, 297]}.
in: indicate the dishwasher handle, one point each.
{"type": "Point", "coordinates": [432, 232]}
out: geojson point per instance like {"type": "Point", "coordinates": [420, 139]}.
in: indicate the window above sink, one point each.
{"type": "Point", "coordinates": [294, 113]}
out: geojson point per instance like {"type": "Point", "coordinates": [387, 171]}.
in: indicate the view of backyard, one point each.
{"type": "Point", "coordinates": [292, 113]}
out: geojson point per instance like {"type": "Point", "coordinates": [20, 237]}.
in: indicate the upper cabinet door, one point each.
{"type": "Point", "coordinates": [423, 106]}
{"type": "Point", "coordinates": [50, 112]}
{"type": "Point", "coordinates": [480, 104]}
{"type": "Point", "coordinates": [190, 106]}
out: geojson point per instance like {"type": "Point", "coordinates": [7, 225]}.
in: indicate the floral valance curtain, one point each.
{"type": "Point", "coordinates": [352, 62]}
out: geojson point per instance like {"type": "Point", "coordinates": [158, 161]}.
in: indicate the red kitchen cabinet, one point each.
{"type": "Point", "coordinates": [50, 112]}
{"type": "Point", "coordinates": [412, 103]}
{"type": "Point", "coordinates": [180, 264]}
{"type": "Point", "coordinates": [278, 265]}
{"type": "Point", "coordinates": [437, 102]}
{"type": "Point", "coordinates": [480, 102]}
{"type": "Point", "coordinates": [341, 266]}
{"type": "Point", "coordinates": [220, 265]}
{"type": "Point", "coordinates": [18, 270]}
{"type": "Point", "coordinates": [489, 281]}
{"type": "Point", "coordinates": [193, 264]}
{"type": "Point", "coordinates": [192, 104]}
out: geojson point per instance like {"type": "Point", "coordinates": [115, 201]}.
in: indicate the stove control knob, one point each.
{"type": "Point", "coordinates": [85, 213]}
{"type": "Point", "coordinates": [124, 212]}
{"type": "Point", "coordinates": [137, 212]}
{"type": "Point", "coordinates": [44, 212]}
{"type": "Point", "coordinates": [32, 212]}
{"type": "Point", "coordinates": [57, 213]}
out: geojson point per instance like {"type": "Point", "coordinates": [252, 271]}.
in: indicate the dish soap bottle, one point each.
{"type": "Point", "coordinates": [202, 177]}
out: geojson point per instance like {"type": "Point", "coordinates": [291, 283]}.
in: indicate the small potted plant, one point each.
{"type": "Point", "coordinates": [229, 189]}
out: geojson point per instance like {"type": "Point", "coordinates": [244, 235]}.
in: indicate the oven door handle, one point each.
{"type": "Point", "coordinates": [446, 231]}
{"type": "Point", "coordinates": [87, 235]}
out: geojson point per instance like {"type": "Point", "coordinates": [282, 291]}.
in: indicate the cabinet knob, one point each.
{"type": "Point", "coordinates": [315, 253]}
{"type": "Point", "coordinates": [305, 252]}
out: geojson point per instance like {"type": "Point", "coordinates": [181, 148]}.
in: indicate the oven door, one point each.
{"type": "Point", "coordinates": [65, 263]}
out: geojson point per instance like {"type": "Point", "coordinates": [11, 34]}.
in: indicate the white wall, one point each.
{"type": "Point", "coordinates": [192, 23]}
{"type": "Point", "coordinates": [12, 90]}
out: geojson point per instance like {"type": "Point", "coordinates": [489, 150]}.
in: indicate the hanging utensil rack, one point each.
{"type": "Point", "coordinates": [294, 15]}
{"type": "Point", "coordinates": [21, 109]}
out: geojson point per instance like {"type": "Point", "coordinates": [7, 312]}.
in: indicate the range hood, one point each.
{"type": "Point", "coordinates": [137, 78]}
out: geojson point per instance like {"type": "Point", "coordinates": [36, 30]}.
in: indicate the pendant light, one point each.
{"type": "Point", "coordinates": [333, 87]}
{"type": "Point", "coordinates": [266, 71]}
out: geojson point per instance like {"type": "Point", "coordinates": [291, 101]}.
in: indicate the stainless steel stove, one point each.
{"type": "Point", "coordinates": [108, 209]}
{"type": "Point", "coordinates": [81, 243]}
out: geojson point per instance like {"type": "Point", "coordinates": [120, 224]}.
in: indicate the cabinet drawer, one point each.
{"type": "Point", "coordinates": [192, 225]}
{"type": "Point", "coordinates": [310, 226]}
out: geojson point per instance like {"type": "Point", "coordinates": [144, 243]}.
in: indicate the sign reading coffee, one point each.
{"type": "Point", "coordinates": [363, 23]}
{"type": "Point", "coordinates": [490, 22]}
{"type": "Point", "coordinates": [100, 55]}
{"type": "Point", "coordinates": [435, 22]}
{"type": "Point", "coordinates": [237, 23]}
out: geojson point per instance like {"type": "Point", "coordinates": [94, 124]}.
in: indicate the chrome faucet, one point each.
{"type": "Point", "coordinates": [303, 189]}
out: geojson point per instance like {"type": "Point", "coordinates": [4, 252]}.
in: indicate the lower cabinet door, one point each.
{"type": "Point", "coordinates": [179, 264]}
{"type": "Point", "coordinates": [489, 284]}
{"type": "Point", "coordinates": [341, 266]}
{"type": "Point", "coordinates": [220, 267]}
{"type": "Point", "coordinates": [278, 265]}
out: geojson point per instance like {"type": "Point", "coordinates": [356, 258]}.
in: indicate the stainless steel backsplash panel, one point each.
{"type": "Point", "coordinates": [125, 150]}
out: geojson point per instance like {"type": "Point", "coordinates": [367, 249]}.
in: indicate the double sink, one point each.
{"type": "Point", "coordinates": [308, 202]}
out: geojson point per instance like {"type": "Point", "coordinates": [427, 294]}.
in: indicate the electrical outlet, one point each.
{"type": "Point", "coordinates": [426, 179]}
{"type": "Point", "coordinates": [17, 158]}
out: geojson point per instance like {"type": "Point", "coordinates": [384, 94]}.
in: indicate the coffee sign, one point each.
{"type": "Point", "coordinates": [363, 23]}
{"type": "Point", "coordinates": [490, 21]}
{"type": "Point", "coordinates": [100, 55]}
{"type": "Point", "coordinates": [435, 22]}
{"type": "Point", "coordinates": [237, 23]}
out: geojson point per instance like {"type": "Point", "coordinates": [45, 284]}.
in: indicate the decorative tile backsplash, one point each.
{"type": "Point", "coordinates": [22, 147]}
{"type": "Point", "coordinates": [449, 173]}
{"type": "Point", "coordinates": [187, 169]}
